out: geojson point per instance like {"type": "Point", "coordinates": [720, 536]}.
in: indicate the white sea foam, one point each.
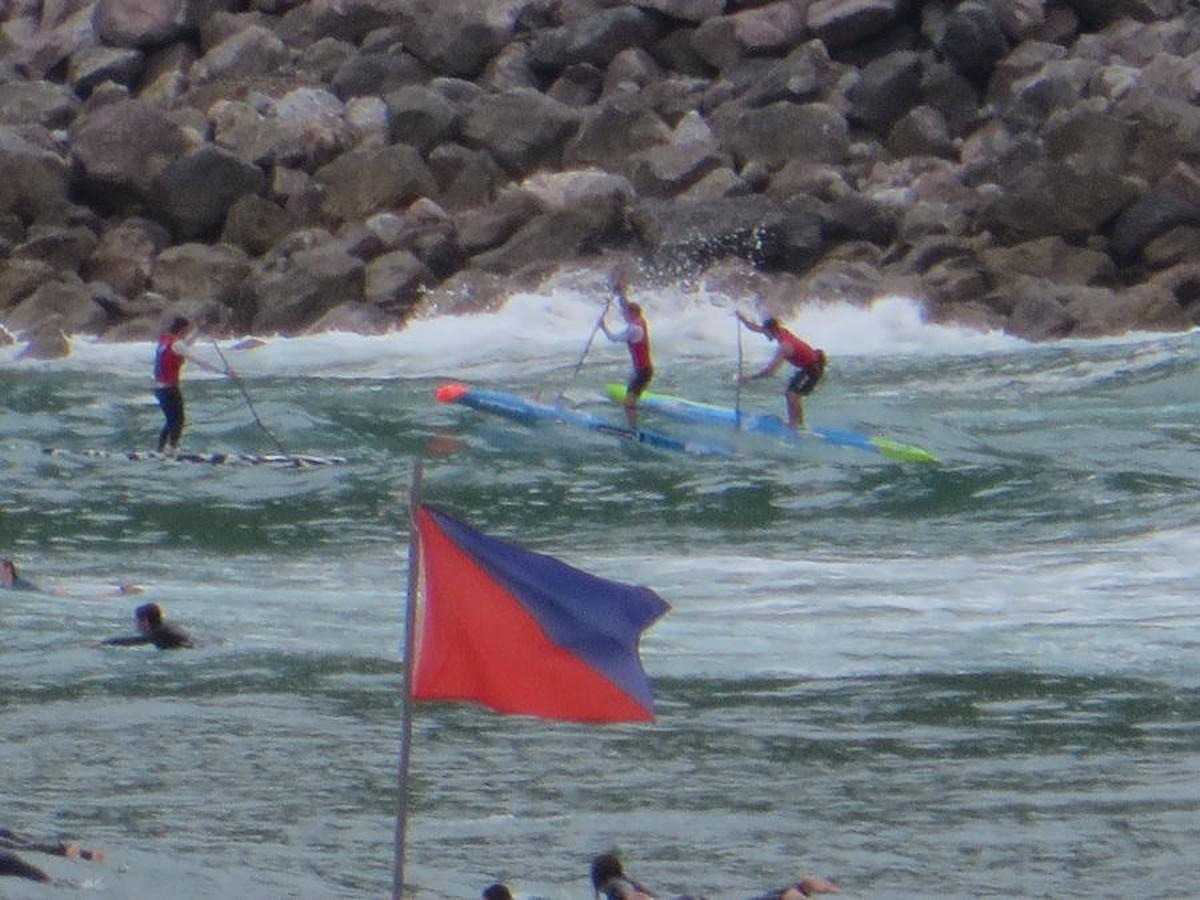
{"type": "Point", "coordinates": [547, 330]}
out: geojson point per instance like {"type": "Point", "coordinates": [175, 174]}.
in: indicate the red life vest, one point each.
{"type": "Point", "coordinates": [167, 361]}
{"type": "Point", "coordinates": [639, 351]}
{"type": "Point", "coordinates": [796, 351]}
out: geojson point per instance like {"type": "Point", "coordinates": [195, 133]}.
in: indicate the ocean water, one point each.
{"type": "Point", "coordinates": [978, 678]}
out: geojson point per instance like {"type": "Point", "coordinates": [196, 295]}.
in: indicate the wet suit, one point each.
{"type": "Point", "coordinates": [153, 630]}
{"type": "Point", "coordinates": [167, 365]}
{"type": "Point", "coordinates": [12, 865]}
{"type": "Point", "coordinates": [164, 636]}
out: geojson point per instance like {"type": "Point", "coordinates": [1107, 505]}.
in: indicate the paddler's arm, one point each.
{"type": "Point", "coordinates": [749, 323]}
{"type": "Point", "coordinates": [769, 369]}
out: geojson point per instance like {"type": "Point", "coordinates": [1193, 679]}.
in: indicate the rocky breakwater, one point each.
{"type": "Point", "coordinates": [275, 166]}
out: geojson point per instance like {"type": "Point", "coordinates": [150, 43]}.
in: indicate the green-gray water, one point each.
{"type": "Point", "coordinates": [973, 679]}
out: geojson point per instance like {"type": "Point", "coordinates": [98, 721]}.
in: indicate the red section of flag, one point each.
{"type": "Point", "coordinates": [476, 641]}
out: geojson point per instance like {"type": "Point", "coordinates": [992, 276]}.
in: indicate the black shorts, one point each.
{"type": "Point", "coordinates": [639, 381]}
{"type": "Point", "coordinates": [806, 379]}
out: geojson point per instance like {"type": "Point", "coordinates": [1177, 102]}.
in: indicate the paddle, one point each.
{"type": "Point", "coordinates": [587, 347]}
{"type": "Point", "coordinates": [250, 403]}
{"type": "Point", "coordinates": [737, 404]}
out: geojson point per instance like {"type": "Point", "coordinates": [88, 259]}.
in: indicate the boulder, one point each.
{"type": "Point", "coordinates": [1151, 215]}
{"type": "Point", "coordinates": [1048, 198]}
{"type": "Point", "coordinates": [1051, 259]}
{"type": "Point", "coordinates": [33, 179]}
{"type": "Point", "coordinates": [614, 130]}
{"type": "Point", "coordinates": [378, 74]}
{"type": "Point", "coordinates": [37, 103]}
{"type": "Point", "coordinates": [522, 129]}
{"type": "Point", "coordinates": [64, 248]}
{"type": "Point", "coordinates": [293, 295]}
{"type": "Point", "coordinates": [595, 39]}
{"type": "Point", "coordinates": [254, 224]}
{"type": "Point", "coordinates": [843, 23]}
{"type": "Point", "coordinates": [90, 67]}
{"type": "Point", "coordinates": [888, 88]}
{"type": "Point", "coordinates": [691, 235]}
{"type": "Point", "coordinates": [204, 273]}
{"type": "Point", "coordinates": [394, 281]}
{"type": "Point", "coordinates": [465, 178]}
{"type": "Point", "coordinates": [248, 52]}
{"type": "Point", "coordinates": [781, 132]}
{"type": "Point", "coordinates": [67, 302]}
{"type": "Point", "coordinates": [125, 254]}
{"type": "Point", "coordinates": [422, 117]}
{"type": "Point", "coordinates": [371, 179]}
{"type": "Point", "coordinates": [120, 149]}
{"type": "Point", "coordinates": [974, 40]}
{"type": "Point", "coordinates": [195, 191]}
{"type": "Point", "coordinates": [764, 30]}
{"type": "Point", "coordinates": [484, 228]}
{"type": "Point", "coordinates": [456, 37]}
{"type": "Point", "coordinates": [21, 277]}
{"type": "Point", "coordinates": [141, 23]}
{"type": "Point", "coordinates": [547, 241]}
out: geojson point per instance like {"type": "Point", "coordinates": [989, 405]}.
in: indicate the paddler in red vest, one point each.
{"type": "Point", "coordinates": [169, 357]}
{"type": "Point", "coordinates": [637, 335]}
{"type": "Point", "coordinates": [808, 362]}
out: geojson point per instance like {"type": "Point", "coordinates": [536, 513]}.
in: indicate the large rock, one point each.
{"type": "Point", "coordinates": [141, 23]}
{"type": "Point", "coordinates": [67, 302]}
{"type": "Point", "coordinates": [21, 277]}
{"type": "Point", "coordinates": [521, 129]}
{"type": "Point", "coordinates": [551, 240]}
{"type": "Point", "coordinates": [204, 273]}
{"type": "Point", "coordinates": [125, 255]}
{"type": "Point", "coordinates": [251, 51]}
{"type": "Point", "coordinates": [1050, 198]}
{"type": "Point", "coordinates": [195, 191]}
{"type": "Point", "coordinates": [33, 180]}
{"type": "Point", "coordinates": [457, 37]}
{"type": "Point", "coordinates": [781, 132]}
{"type": "Point", "coordinates": [1152, 214]}
{"type": "Point", "coordinates": [691, 235]}
{"type": "Point", "coordinates": [37, 103]}
{"type": "Point", "coordinates": [294, 295]}
{"type": "Point", "coordinates": [974, 40]}
{"type": "Point", "coordinates": [365, 181]}
{"type": "Point", "coordinates": [890, 86]}
{"type": "Point", "coordinates": [422, 117]}
{"type": "Point", "coordinates": [255, 223]}
{"type": "Point", "coordinates": [595, 39]}
{"type": "Point", "coordinates": [394, 280]}
{"type": "Point", "coordinates": [614, 130]}
{"type": "Point", "coordinates": [120, 149]}
{"type": "Point", "coordinates": [771, 29]}
{"type": "Point", "coordinates": [1051, 259]}
{"type": "Point", "coordinates": [842, 23]}
{"type": "Point", "coordinates": [63, 248]}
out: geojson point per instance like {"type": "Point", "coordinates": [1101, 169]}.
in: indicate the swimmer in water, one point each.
{"type": "Point", "coordinates": [10, 580]}
{"type": "Point", "coordinates": [153, 630]}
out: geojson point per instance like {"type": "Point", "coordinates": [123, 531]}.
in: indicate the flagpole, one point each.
{"type": "Point", "coordinates": [410, 617]}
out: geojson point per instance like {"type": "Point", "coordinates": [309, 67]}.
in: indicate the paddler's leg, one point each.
{"type": "Point", "coordinates": [637, 384]}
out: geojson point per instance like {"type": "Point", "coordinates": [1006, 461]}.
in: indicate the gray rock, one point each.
{"type": "Point", "coordinates": [365, 181]}
{"type": "Point", "coordinates": [37, 103]}
{"type": "Point", "coordinates": [294, 295]}
{"type": "Point", "coordinates": [120, 149]}
{"type": "Point", "coordinates": [195, 191]}
{"type": "Point", "coordinates": [141, 23]}
{"type": "Point", "coordinates": [522, 129]}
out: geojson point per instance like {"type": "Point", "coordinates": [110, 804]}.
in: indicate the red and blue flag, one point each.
{"type": "Point", "coordinates": [525, 633]}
